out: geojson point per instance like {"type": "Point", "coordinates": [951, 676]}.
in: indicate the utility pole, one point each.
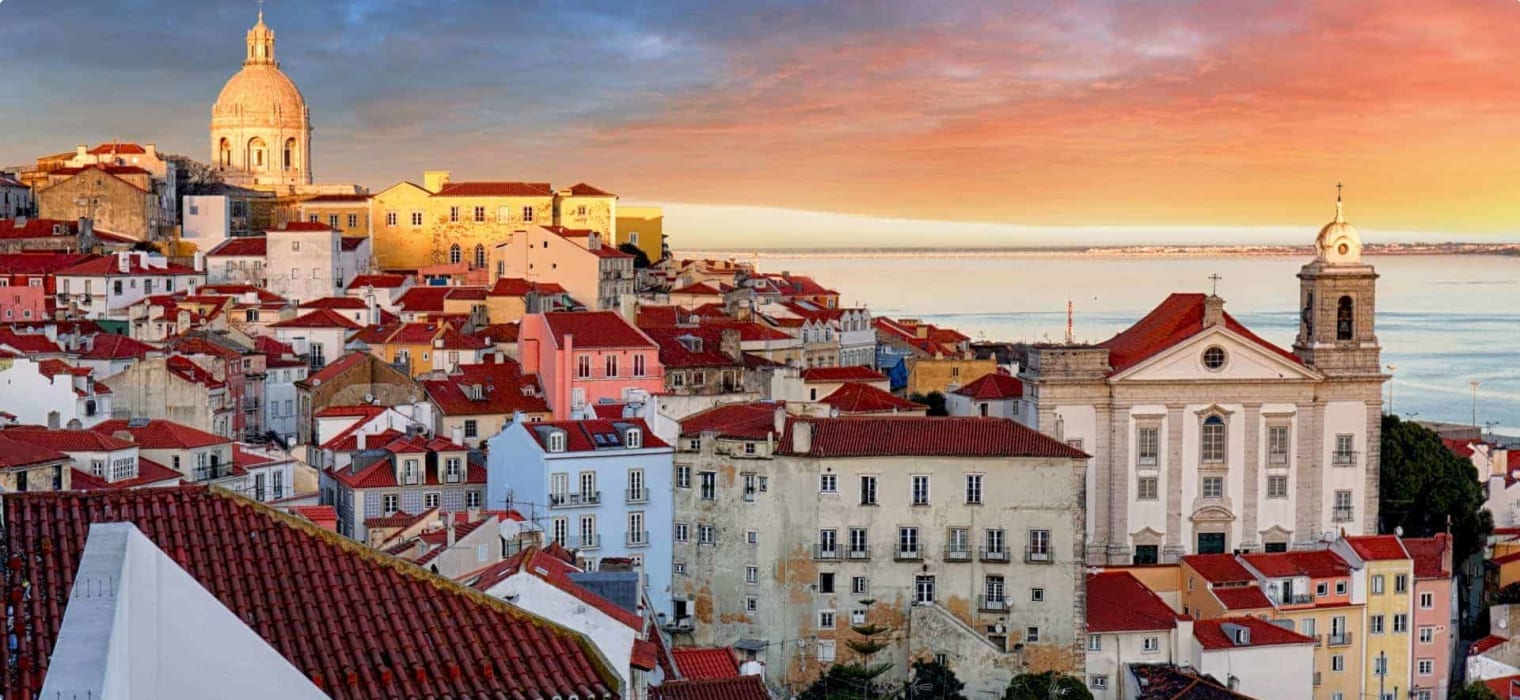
{"type": "Point", "coordinates": [1475, 404]}
{"type": "Point", "coordinates": [1391, 370]}
{"type": "Point", "coordinates": [1382, 672]}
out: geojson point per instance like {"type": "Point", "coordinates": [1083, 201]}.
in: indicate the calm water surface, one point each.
{"type": "Point", "coordinates": [1444, 321]}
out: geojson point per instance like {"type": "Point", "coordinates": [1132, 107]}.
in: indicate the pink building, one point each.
{"type": "Point", "coordinates": [584, 358]}
{"type": "Point", "coordinates": [1435, 616]}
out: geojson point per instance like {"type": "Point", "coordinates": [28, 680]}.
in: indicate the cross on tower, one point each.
{"type": "Point", "coordinates": [1214, 279]}
{"type": "Point", "coordinates": [1338, 185]}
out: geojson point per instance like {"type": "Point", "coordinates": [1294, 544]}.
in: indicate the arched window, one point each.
{"type": "Point", "coordinates": [256, 150]}
{"type": "Point", "coordinates": [1345, 315]}
{"type": "Point", "coordinates": [224, 153]}
{"type": "Point", "coordinates": [290, 154]}
{"type": "Point", "coordinates": [480, 257]}
{"type": "Point", "coordinates": [1213, 441]}
{"type": "Point", "coordinates": [455, 255]}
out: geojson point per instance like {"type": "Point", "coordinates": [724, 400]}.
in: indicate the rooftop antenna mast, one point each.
{"type": "Point", "coordinates": [1071, 336]}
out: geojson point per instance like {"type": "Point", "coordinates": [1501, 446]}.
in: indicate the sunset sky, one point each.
{"type": "Point", "coordinates": [1219, 114]}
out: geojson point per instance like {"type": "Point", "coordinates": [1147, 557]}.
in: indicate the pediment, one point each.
{"type": "Point", "coordinates": [1145, 536]}
{"type": "Point", "coordinates": [1245, 359]}
{"type": "Point", "coordinates": [1212, 514]}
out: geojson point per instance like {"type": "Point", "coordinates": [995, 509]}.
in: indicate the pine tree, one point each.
{"type": "Point", "coordinates": [857, 680]}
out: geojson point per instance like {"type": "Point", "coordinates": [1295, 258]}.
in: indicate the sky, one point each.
{"type": "Point", "coordinates": [1015, 118]}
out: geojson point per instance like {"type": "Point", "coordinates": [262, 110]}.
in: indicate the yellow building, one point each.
{"type": "Point", "coordinates": [582, 206]}
{"type": "Point", "coordinates": [1389, 576]}
{"type": "Point", "coordinates": [643, 227]}
{"type": "Point", "coordinates": [347, 213]}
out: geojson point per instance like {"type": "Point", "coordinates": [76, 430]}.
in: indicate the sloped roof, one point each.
{"type": "Point", "coordinates": [690, 347]}
{"type": "Point", "coordinates": [1242, 598]}
{"type": "Point", "coordinates": [1218, 568]}
{"type": "Point", "coordinates": [1177, 318]}
{"type": "Point", "coordinates": [743, 421]}
{"type": "Point", "coordinates": [28, 343]}
{"type": "Point", "coordinates": [502, 386]}
{"type": "Point", "coordinates": [15, 453]}
{"type": "Point", "coordinates": [534, 561]}
{"type": "Point", "coordinates": [704, 663]}
{"type": "Point", "coordinates": [496, 189]}
{"type": "Point", "coordinates": [1212, 637]}
{"type": "Point", "coordinates": [1118, 602]}
{"type": "Point", "coordinates": [319, 318]}
{"type": "Point", "coordinates": [381, 281]}
{"type": "Point", "coordinates": [149, 474]}
{"type": "Point", "coordinates": [162, 434]}
{"type": "Point", "coordinates": [66, 440]}
{"type": "Point", "coordinates": [109, 346]}
{"type": "Point", "coordinates": [303, 227]}
{"type": "Point", "coordinates": [1429, 555]}
{"type": "Point", "coordinates": [352, 303]}
{"type": "Point", "coordinates": [240, 247]}
{"type": "Point", "coordinates": [853, 373]}
{"type": "Point", "coordinates": [859, 397]}
{"type": "Point", "coordinates": [993, 387]}
{"type": "Point", "coordinates": [581, 189]}
{"type": "Point", "coordinates": [581, 435]}
{"type": "Point", "coordinates": [1378, 547]}
{"type": "Point", "coordinates": [107, 265]}
{"type": "Point", "coordinates": [387, 630]}
{"type": "Point", "coordinates": [595, 329]}
{"type": "Point", "coordinates": [741, 688]}
{"type": "Point", "coordinates": [870, 436]}
{"type": "Point", "coordinates": [1318, 563]}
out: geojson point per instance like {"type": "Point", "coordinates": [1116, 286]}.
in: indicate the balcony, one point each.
{"type": "Point", "coordinates": [1343, 458]}
{"type": "Point", "coordinates": [680, 624]}
{"type": "Point", "coordinates": [1296, 599]}
{"type": "Point", "coordinates": [638, 538]}
{"type": "Point", "coordinates": [1038, 555]}
{"type": "Point", "coordinates": [825, 552]}
{"type": "Point", "coordinates": [217, 471]}
{"type": "Point", "coordinates": [861, 553]}
{"type": "Point", "coordinates": [1342, 514]}
{"type": "Point", "coordinates": [586, 542]}
{"type": "Point", "coordinates": [907, 554]}
{"type": "Point", "coordinates": [994, 554]}
{"type": "Point", "coordinates": [994, 604]}
{"type": "Point", "coordinates": [749, 495]}
{"type": "Point", "coordinates": [575, 500]}
{"type": "Point", "coordinates": [957, 553]}
{"type": "Point", "coordinates": [1339, 639]}
{"type": "Point", "coordinates": [639, 495]}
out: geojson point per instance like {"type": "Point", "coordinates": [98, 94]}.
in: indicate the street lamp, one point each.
{"type": "Point", "coordinates": [1391, 370]}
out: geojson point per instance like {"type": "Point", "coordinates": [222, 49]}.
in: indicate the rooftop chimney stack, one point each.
{"type": "Point", "coordinates": [1213, 311]}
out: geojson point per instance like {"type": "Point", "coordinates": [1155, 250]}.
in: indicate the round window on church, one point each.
{"type": "Point", "coordinates": [1213, 358]}
{"type": "Point", "coordinates": [1344, 249]}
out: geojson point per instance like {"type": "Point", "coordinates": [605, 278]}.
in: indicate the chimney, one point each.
{"type": "Point", "coordinates": [200, 261]}
{"type": "Point", "coordinates": [152, 151]}
{"type": "Point", "coordinates": [730, 345]}
{"type": "Point", "coordinates": [124, 261]}
{"type": "Point", "coordinates": [81, 151]}
{"type": "Point", "coordinates": [361, 440]}
{"type": "Point", "coordinates": [450, 528]}
{"type": "Point", "coordinates": [458, 435]}
{"type": "Point", "coordinates": [780, 425]}
{"type": "Point", "coordinates": [1213, 310]}
{"type": "Point", "coordinates": [434, 180]}
{"type": "Point", "coordinates": [802, 436]}
{"type": "Point", "coordinates": [53, 419]}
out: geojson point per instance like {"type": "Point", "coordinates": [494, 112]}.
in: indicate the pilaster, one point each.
{"type": "Point", "coordinates": [1310, 518]}
{"type": "Point", "coordinates": [1373, 478]}
{"type": "Point", "coordinates": [1174, 543]}
{"type": "Point", "coordinates": [1119, 482]}
{"type": "Point", "coordinates": [1250, 536]}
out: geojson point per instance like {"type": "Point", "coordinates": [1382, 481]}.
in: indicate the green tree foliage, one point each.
{"type": "Point", "coordinates": [1475, 691]}
{"type": "Point", "coordinates": [857, 680]}
{"type": "Point", "coordinates": [1424, 485]}
{"type": "Point", "coordinates": [640, 258]}
{"type": "Point", "coordinates": [934, 681]}
{"type": "Point", "coordinates": [1045, 686]}
{"type": "Point", "coordinates": [934, 400]}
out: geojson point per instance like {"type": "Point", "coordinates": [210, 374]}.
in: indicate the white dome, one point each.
{"type": "Point", "coordinates": [261, 95]}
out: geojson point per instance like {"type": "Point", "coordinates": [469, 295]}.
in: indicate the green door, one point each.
{"type": "Point", "coordinates": [1211, 543]}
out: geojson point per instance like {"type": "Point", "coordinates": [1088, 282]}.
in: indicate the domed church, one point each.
{"type": "Point", "coordinates": [260, 126]}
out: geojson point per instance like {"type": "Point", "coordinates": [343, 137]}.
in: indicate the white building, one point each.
{"type": "Point", "coordinates": [319, 336]}
{"type": "Point", "coordinates": [206, 220]}
{"type": "Point", "coordinates": [52, 393]}
{"type": "Point", "coordinates": [1255, 657]}
{"type": "Point", "coordinates": [993, 395]}
{"type": "Point", "coordinates": [238, 260]}
{"type": "Point", "coordinates": [1128, 623]}
{"type": "Point", "coordinates": [1207, 438]}
{"type": "Point", "coordinates": [102, 289]}
{"type": "Point", "coordinates": [305, 261]}
{"type": "Point", "coordinates": [15, 198]}
{"type": "Point", "coordinates": [281, 414]}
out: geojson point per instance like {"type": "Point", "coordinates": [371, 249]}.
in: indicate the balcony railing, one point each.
{"type": "Point", "coordinates": [1296, 599]}
{"type": "Point", "coordinates": [861, 553]}
{"type": "Point", "coordinates": [826, 552]}
{"type": "Point", "coordinates": [905, 554]}
{"type": "Point", "coordinates": [638, 538]}
{"type": "Point", "coordinates": [749, 495]}
{"type": "Point", "coordinates": [640, 495]}
{"type": "Point", "coordinates": [992, 603]}
{"type": "Point", "coordinates": [1277, 458]}
{"type": "Point", "coordinates": [1342, 639]}
{"type": "Point", "coordinates": [572, 500]}
{"type": "Point", "coordinates": [216, 472]}
{"type": "Point", "coordinates": [586, 542]}
{"type": "Point", "coordinates": [994, 554]}
{"type": "Point", "coordinates": [957, 553]}
{"type": "Point", "coordinates": [1342, 515]}
{"type": "Point", "coordinates": [1038, 555]}
{"type": "Point", "coordinates": [1343, 458]}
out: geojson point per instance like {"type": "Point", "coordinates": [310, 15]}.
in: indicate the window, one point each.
{"type": "Point", "coordinates": [1380, 666]}
{"type": "Point", "coordinates": [923, 589]}
{"type": "Point", "coordinates": [868, 490]}
{"type": "Point", "coordinates": [1401, 583]}
{"type": "Point", "coordinates": [859, 542]}
{"type": "Point", "coordinates": [1343, 510]}
{"type": "Point", "coordinates": [1426, 666]}
{"type": "Point", "coordinates": [471, 429]}
{"type": "Point", "coordinates": [1377, 584]}
{"type": "Point", "coordinates": [1345, 449]}
{"type": "Point", "coordinates": [561, 529]}
{"type": "Point", "coordinates": [682, 532]}
{"type": "Point", "coordinates": [453, 215]}
{"type": "Point", "coordinates": [907, 541]}
{"type": "Point", "coordinates": [826, 582]}
{"type": "Point", "coordinates": [1036, 595]}
{"type": "Point", "coordinates": [973, 488]}
{"type": "Point", "coordinates": [858, 586]}
{"type": "Point", "coordinates": [752, 574]}
{"type": "Point", "coordinates": [1148, 446]}
{"type": "Point", "coordinates": [1345, 319]}
{"type": "Point", "coordinates": [825, 651]}
{"type": "Point", "coordinates": [996, 542]}
{"type": "Point", "coordinates": [828, 483]}
{"type": "Point", "coordinates": [709, 485]}
{"type": "Point", "coordinates": [1145, 488]}
{"type": "Point", "coordinates": [527, 216]}
{"type": "Point", "coordinates": [825, 619]}
{"type": "Point", "coordinates": [1213, 358]}
{"type": "Point", "coordinates": [1337, 663]}
{"type": "Point", "coordinates": [828, 544]}
{"type": "Point", "coordinates": [1213, 439]}
{"type": "Point", "coordinates": [583, 367]}
{"type": "Point", "coordinates": [1213, 487]}
{"type": "Point", "coordinates": [1427, 634]}
{"type": "Point", "coordinates": [431, 500]}
{"type": "Point", "coordinates": [390, 218]}
{"type": "Point", "coordinates": [749, 448]}
{"type": "Point", "coordinates": [683, 477]}
{"type": "Point", "coordinates": [678, 568]}
{"type": "Point", "coordinates": [920, 495]}
{"type": "Point", "coordinates": [1032, 635]}
{"type": "Point", "coordinates": [1097, 682]}
{"type": "Point", "coordinates": [1321, 589]}
{"type": "Point", "coordinates": [416, 219]}
{"type": "Point", "coordinates": [1039, 545]}
{"type": "Point", "coordinates": [705, 534]}
{"type": "Point", "coordinates": [480, 256]}
{"type": "Point", "coordinates": [1277, 445]}
{"type": "Point", "coordinates": [480, 215]}
{"type": "Point", "coordinates": [1375, 624]}
{"type": "Point", "coordinates": [1401, 623]}
{"type": "Point", "coordinates": [638, 365]}
{"type": "Point", "coordinates": [751, 603]}
{"type": "Point", "coordinates": [636, 533]}
{"type": "Point", "coordinates": [1152, 644]}
{"type": "Point", "coordinates": [390, 503]}
{"type": "Point", "coordinates": [1095, 642]}
{"type": "Point", "coordinates": [1340, 588]}
{"type": "Point", "coordinates": [332, 220]}
{"type": "Point", "coordinates": [1277, 486]}
{"type": "Point", "coordinates": [611, 366]}
{"type": "Point", "coordinates": [556, 441]}
{"type": "Point", "coordinates": [1427, 600]}
{"type": "Point", "coordinates": [752, 536]}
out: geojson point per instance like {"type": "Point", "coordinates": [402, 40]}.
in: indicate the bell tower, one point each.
{"type": "Point", "coordinates": [261, 43]}
{"type": "Point", "coordinates": [1337, 302]}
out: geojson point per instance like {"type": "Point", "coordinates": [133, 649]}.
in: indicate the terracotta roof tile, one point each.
{"type": "Point", "coordinates": [743, 421]}
{"type": "Point", "coordinates": [992, 387]}
{"type": "Point", "coordinates": [501, 387]}
{"type": "Point", "coordinates": [595, 329]}
{"type": "Point", "coordinates": [1212, 637]}
{"type": "Point", "coordinates": [581, 435]}
{"type": "Point", "coordinates": [240, 247]}
{"type": "Point", "coordinates": [1177, 318]}
{"type": "Point", "coordinates": [149, 474]}
{"type": "Point", "coordinates": [549, 567]}
{"type": "Point", "coordinates": [1429, 555]}
{"type": "Point", "coordinates": [1485, 644]}
{"type": "Point", "coordinates": [1378, 547]}
{"type": "Point", "coordinates": [66, 440]}
{"type": "Point", "coordinates": [859, 397]}
{"type": "Point", "coordinates": [855, 373]}
{"type": "Point", "coordinates": [376, 627]}
{"type": "Point", "coordinates": [741, 688]}
{"type": "Point", "coordinates": [319, 318]}
{"type": "Point", "coordinates": [162, 434]}
{"type": "Point", "coordinates": [581, 189]}
{"type": "Point", "coordinates": [496, 189]}
{"type": "Point", "coordinates": [28, 343]}
{"type": "Point", "coordinates": [925, 437]}
{"type": "Point", "coordinates": [109, 346]}
{"type": "Point", "coordinates": [1318, 563]}
{"type": "Point", "coordinates": [303, 227]}
{"type": "Point", "coordinates": [1118, 602]}
{"type": "Point", "coordinates": [1242, 598]}
{"type": "Point", "coordinates": [702, 663]}
{"type": "Point", "coordinates": [1218, 568]}
{"type": "Point", "coordinates": [15, 453]}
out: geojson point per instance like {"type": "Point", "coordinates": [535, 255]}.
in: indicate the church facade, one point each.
{"type": "Point", "coordinates": [1207, 438]}
{"type": "Point", "coordinates": [260, 124]}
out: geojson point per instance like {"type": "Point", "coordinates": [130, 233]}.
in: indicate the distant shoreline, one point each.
{"type": "Point", "coordinates": [1158, 251]}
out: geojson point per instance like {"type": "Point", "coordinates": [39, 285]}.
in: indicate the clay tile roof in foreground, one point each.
{"type": "Point", "coordinates": [1218, 568]}
{"type": "Point", "coordinates": [859, 397]}
{"type": "Point", "coordinates": [993, 386]}
{"type": "Point", "coordinates": [1242, 598]}
{"type": "Point", "coordinates": [1429, 555]}
{"type": "Point", "coordinates": [702, 663]}
{"type": "Point", "coordinates": [741, 688]}
{"type": "Point", "coordinates": [744, 421]}
{"type": "Point", "coordinates": [15, 453]}
{"type": "Point", "coordinates": [925, 437]}
{"type": "Point", "coordinates": [1177, 318]}
{"type": "Point", "coordinates": [1118, 602]}
{"type": "Point", "coordinates": [376, 627]}
{"type": "Point", "coordinates": [856, 373]}
{"type": "Point", "coordinates": [1211, 634]}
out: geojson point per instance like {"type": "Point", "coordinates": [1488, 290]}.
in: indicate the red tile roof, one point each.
{"type": "Point", "coordinates": [1485, 644]}
{"type": "Point", "coordinates": [518, 287]}
{"type": "Point", "coordinates": [325, 517]}
{"type": "Point", "coordinates": [858, 397]}
{"type": "Point", "coordinates": [1176, 319]}
{"type": "Point", "coordinates": [741, 688]}
{"type": "Point", "coordinates": [66, 440]}
{"type": "Point", "coordinates": [28, 343]}
{"type": "Point", "coordinates": [382, 473]}
{"type": "Point", "coordinates": [1218, 568]}
{"type": "Point", "coordinates": [500, 332]}
{"type": "Point", "coordinates": [337, 367]}
{"type": "Point", "coordinates": [702, 663]}
{"type": "Point", "coordinates": [698, 288]}
{"type": "Point", "coordinates": [1242, 598]}
{"type": "Point", "coordinates": [502, 388]}
{"type": "Point", "coordinates": [35, 262]}
{"type": "Point", "coordinates": [1378, 547]}
{"type": "Point", "coordinates": [752, 332]}
{"type": "Point", "coordinates": [303, 227]}
{"type": "Point", "coordinates": [534, 561]}
{"type": "Point", "coordinates": [335, 303]}
{"type": "Point", "coordinates": [579, 434]}
{"type": "Point", "coordinates": [496, 189]}
{"type": "Point", "coordinates": [424, 299]}
{"type": "Point", "coordinates": [240, 247]}
{"type": "Point", "coordinates": [378, 281]}
{"type": "Point", "coordinates": [1320, 563]}
{"type": "Point", "coordinates": [1212, 637]}
{"type": "Point", "coordinates": [992, 387]}
{"type": "Point", "coordinates": [107, 265]}
{"type": "Point", "coordinates": [320, 318]}
{"type": "Point", "coordinates": [321, 198]}
{"type": "Point", "coordinates": [118, 149]}
{"type": "Point", "coordinates": [149, 474]}
{"type": "Point", "coordinates": [581, 189]}
{"type": "Point", "coordinates": [377, 627]}
{"type": "Point", "coordinates": [595, 329]}
{"type": "Point", "coordinates": [1429, 555]}
{"type": "Point", "coordinates": [162, 434]}
{"type": "Point", "coordinates": [15, 453]}
{"type": "Point", "coordinates": [1118, 602]}
{"type": "Point", "coordinates": [109, 346]}
{"type": "Point", "coordinates": [743, 421]}
{"type": "Point", "coordinates": [1460, 448]}
{"type": "Point", "coordinates": [691, 347]}
{"type": "Point", "coordinates": [1505, 687]}
{"type": "Point", "coordinates": [856, 373]}
{"type": "Point", "coordinates": [660, 316]}
{"type": "Point", "coordinates": [185, 369]}
{"type": "Point", "coordinates": [352, 243]}
{"type": "Point", "coordinates": [870, 436]}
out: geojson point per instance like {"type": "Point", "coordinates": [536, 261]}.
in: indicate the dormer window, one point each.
{"type": "Point", "coordinates": [556, 441]}
{"type": "Point", "coordinates": [451, 470]}
{"type": "Point", "coordinates": [409, 472]}
{"type": "Point", "coordinates": [634, 438]}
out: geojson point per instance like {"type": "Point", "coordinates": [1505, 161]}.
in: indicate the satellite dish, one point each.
{"type": "Point", "coordinates": [1399, 531]}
